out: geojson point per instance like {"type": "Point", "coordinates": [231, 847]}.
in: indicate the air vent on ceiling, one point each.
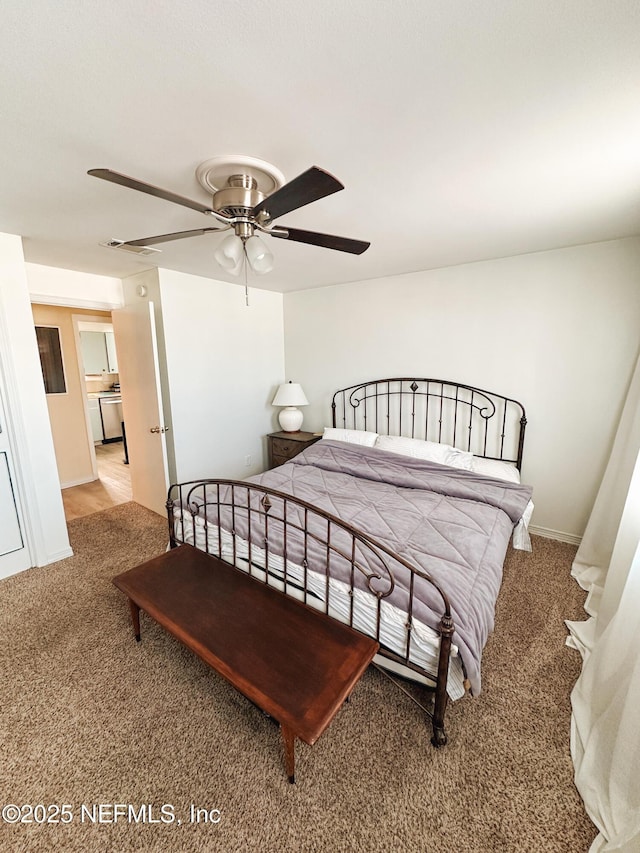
{"type": "Point", "coordinates": [136, 250]}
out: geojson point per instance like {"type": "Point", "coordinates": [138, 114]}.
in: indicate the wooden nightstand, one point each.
{"type": "Point", "coordinates": [283, 446]}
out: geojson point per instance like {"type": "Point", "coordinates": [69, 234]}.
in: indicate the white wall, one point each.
{"type": "Point", "coordinates": [557, 330]}
{"type": "Point", "coordinates": [53, 286]}
{"type": "Point", "coordinates": [224, 362]}
{"type": "Point", "coordinates": [38, 484]}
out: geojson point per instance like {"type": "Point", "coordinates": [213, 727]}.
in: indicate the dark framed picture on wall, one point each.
{"type": "Point", "coordinates": [51, 359]}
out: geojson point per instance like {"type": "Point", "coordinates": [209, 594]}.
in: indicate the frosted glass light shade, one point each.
{"type": "Point", "coordinates": [229, 254]}
{"type": "Point", "coordinates": [290, 395]}
{"type": "Point", "coordinates": [260, 258]}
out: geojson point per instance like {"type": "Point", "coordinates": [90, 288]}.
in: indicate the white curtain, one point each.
{"type": "Point", "coordinates": [605, 726]}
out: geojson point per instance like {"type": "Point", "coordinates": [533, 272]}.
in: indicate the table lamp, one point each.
{"type": "Point", "coordinates": [290, 395]}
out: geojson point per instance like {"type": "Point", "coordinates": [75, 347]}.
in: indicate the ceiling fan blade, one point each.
{"type": "Point", "coordinates": [328, 241]}
{"type": "Point", "coordinates": [134, 184]}
{"type": "Point", "coordinates": [310, 186]}
{"type": "Point", "coordinates": [165, 238]}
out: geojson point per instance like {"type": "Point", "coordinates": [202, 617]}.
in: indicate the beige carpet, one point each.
{"type": "Point", "coordinates": [91, 717]}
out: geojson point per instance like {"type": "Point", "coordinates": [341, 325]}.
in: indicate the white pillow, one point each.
{"type": "Point", "coordinates": [460, 459]}
{"type": "Point", "coordinates": [496, 469]}
{"type": "Point", "coordinates": [432, 451]}
{"type": "Point", "coordinates": [352, 436]}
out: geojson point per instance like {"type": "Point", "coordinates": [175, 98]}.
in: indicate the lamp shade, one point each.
{"type": "Point", "coordinates": [290, 394]}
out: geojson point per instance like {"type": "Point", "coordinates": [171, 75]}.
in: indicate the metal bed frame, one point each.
{"type": "Point", "coordinates": [481, 422]}
{"type": "Point", "coordinates": [258, 516]}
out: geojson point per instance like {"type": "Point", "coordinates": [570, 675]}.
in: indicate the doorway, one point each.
{"type": "Point", "coordinates": [93, 475]}
{"type": "Point", "coordinates": [136, 344]}
{"type": "Point", "coordinates": [98, 366]}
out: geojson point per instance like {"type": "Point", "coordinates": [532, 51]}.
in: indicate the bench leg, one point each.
{"type": "Point", "coordinates": [135, 618]}
{"type": "Point", "coordinates": [289, 752]}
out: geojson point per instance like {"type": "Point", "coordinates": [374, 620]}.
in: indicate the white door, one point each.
{"type": "Point", "coordinates": [14, 554]}
{"type": "Point", "coordinates": [145, 427]}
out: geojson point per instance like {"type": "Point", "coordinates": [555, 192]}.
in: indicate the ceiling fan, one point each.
{"type": "Point", "coordinates": [248, 195]}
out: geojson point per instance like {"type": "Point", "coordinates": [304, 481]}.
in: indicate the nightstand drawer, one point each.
{"type": "Point", "coordinates": [288, 449]}
{"type": "Point", "coordinates": [284, 446]}
{"type": "Point", "coordinates": [280, 460]}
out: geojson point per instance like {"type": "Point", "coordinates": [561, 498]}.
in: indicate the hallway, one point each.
{"type": "Point", "coordinates": [112, 488]}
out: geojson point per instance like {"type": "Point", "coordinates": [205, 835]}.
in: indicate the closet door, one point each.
{"type": "Point", "coordinates": [14, 554]}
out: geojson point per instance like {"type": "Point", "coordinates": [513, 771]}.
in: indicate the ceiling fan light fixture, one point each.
{"type": "Point", "coordinates": [259, 257]}
{"type": "Point", "coordinates": [229, 254]}
{"type": "Point", "coordinates": [248, 194]}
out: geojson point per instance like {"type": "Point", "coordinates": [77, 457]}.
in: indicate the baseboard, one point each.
{"type": "Point", "coordinates": [81, 482]}
{"type": "Point", "coordinates": [58, 555]}
{"type": "Point", "coordinates": [558, 535]}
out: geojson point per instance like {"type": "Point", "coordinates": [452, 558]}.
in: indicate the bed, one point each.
{"type": "Point", "coordinates": [396, 522]}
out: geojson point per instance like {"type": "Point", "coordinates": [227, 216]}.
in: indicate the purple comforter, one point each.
{"type": "Point", "coordinates": [450, 523]}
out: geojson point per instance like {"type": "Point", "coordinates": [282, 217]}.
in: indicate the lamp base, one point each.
{"type": "Point", "coordinates": [290, 419]}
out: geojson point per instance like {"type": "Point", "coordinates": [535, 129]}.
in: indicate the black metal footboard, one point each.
{"type": "Point", "coordinates": [309, 554]}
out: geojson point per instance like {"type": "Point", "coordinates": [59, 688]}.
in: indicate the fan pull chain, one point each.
{"type": "Point", "coordinates": [246, 286]}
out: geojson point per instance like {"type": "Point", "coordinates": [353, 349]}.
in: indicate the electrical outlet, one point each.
{"type": "Point", "coordinates": [247, 461]}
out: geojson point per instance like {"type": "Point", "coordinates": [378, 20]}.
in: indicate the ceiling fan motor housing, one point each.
{"type": "Point", "coordinates": [238, 197]}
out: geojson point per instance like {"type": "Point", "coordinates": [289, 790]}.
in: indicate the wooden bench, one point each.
{"type": "Point", "coordinates": [296, 664]}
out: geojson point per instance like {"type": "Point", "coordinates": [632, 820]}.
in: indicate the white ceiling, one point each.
{"type": "Point", "coordinates": [462, 130]}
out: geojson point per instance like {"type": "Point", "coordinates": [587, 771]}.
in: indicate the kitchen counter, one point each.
{"type": "Point", "coordinates": [97, 395]}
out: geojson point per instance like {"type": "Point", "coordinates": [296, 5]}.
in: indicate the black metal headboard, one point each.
{"type": "Point", "coordinates": [484, 423]}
